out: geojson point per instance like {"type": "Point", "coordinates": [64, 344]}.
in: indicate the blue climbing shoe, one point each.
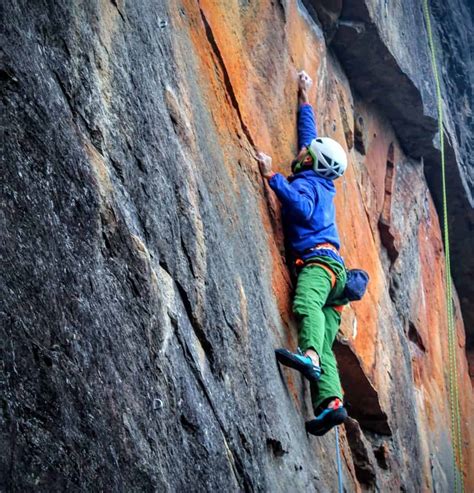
{"type": "Point", "coordinates": [298, 361]}
{"type": "Point", "coordinates": [327, 419]}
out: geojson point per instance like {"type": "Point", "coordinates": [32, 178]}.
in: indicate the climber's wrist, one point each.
{"type": "Point", "coordinates": [303, 97]}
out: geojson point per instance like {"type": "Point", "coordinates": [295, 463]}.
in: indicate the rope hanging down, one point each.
{"type": "Point", "coordinates": [456, 434]}
{"type": "Point", "coordinates": [339, 465]}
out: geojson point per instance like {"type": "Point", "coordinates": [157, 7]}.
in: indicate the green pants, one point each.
{"type": "Point", "coordinates": [319, 321]}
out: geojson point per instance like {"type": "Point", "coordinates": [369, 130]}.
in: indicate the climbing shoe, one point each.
{"type": "Point", "coordinates": [327, 419]}
{"type": "Point", "coordinates": [298, 361]}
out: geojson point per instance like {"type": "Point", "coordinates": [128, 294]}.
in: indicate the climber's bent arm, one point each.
{"type": "Point", "coordinates": [299, 199]}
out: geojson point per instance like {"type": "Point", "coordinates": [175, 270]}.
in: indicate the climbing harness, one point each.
{"type": "Point", "coordinates": [322, 246]}
{"type": "Point", "coordinates": [299, 264]}
{"type": "Point", "coordinates": [456, 437]}
{"type": "Point", "coordinates": [338, 460]}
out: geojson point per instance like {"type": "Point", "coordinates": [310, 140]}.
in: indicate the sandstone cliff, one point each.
{"type": "Point", "coordinates": [145, 284]}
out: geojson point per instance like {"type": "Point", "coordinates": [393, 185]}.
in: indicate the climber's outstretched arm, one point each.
{"type": "Point", "coordinates": [306, 126]}
{"type": "Point", "coordinates": [306, 121]}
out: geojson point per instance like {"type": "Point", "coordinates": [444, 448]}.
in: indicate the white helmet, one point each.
{"type": "Point", "coordinates": [330, 160]}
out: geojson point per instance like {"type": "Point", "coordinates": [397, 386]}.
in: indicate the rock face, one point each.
{"type": "Point", "coordinates": [384, 51]}
{"type": "Point", "coordinates": [145, 285]}
{"type": "Point", "coordinates": [456, 48]}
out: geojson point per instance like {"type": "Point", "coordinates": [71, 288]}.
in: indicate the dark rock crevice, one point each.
{"type": "Point", "coordinates": [195, 324]}
{"type": "Point", "coordinates": [361, 396]}
{"type": "Point", "coordinates": [276, 447]}
{"type": "Point", "coordinates": [389, 237]}
{"type": "Point", "coordinates": [415, 337]}
{"type": "Point", "coordinates": [361, 456]}
{"type": "Point", "coordinates": [359, 135]}
{"type": "Point", "coordinates": [237, 466]}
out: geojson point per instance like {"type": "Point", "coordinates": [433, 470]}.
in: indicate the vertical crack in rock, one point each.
{"type": "Point", "coordinates": [181, 124]}
{"type": "Point", "coordinates": [240, 473]}
{"type": "Point", "coordinates": [387, 236]}
{"type": "Point", "coordinates": [415, 336]}
{"type": "Point", "coordinates": [115, 4]}
{"type": "Point", "coordinates": [65, 93]}
{"type": "Point", "coordinates": [359, 134]}
{"type": "Point", "coordinates": [381, 454]}
{"type": "Point", "coordinates": [193, 321]}
{"type": "Point", "coordinates": [94, 134]}
{"type": "Point", "coordinates": [225, 74]}
{"type": "Point", "coordinates": [348, 133]}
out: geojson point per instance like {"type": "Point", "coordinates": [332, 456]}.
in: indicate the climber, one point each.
{"type": "Point", "coordinates": [307, 199]}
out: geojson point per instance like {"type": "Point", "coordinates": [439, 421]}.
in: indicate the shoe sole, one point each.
{"type": "Point", "coordinates": [287, 358]}
{"type": "Point", "coordinates": [321, 427]}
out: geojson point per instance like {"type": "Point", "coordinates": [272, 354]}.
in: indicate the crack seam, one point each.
{"type": "Point", "coordinates": [237, 467]}
{"type": "Point", "coordinates": [227, 83]}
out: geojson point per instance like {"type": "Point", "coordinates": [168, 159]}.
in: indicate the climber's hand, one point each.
{"type": "Point", "coordinates": [265, 164]}
{"type": "Point", "coordinates": [304, 81]}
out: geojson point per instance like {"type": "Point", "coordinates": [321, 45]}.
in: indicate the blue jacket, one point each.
{"type": "Point", "coordinates": [309, 215]}
{"type": "Point", "coordinates": [306, 125]}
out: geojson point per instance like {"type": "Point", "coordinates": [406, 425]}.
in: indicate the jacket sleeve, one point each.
{"type": "Point", "coordinates": [306, 125]}
{"type": "Point", "coordinates": [299, 199]}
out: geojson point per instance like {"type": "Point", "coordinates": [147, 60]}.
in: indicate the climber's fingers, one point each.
{"type": "Point", "coordinates": [304, 80]}
{"type": "Point", "coordinates": [263, 158]}
{"type": "Point", "coordinates": [265, 163]}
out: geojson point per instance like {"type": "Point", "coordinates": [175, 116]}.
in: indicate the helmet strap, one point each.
{"type": "Point", "coordinates": [315, 159]}
{"type": "Point", "coordinates": [299, 165]}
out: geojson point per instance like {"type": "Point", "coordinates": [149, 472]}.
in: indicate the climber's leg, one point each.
{"type": "Point", "coordinates": [312, 290]}
{"type": "Point", "coordinates": [329, 385]}
{"type": "Point", "coordinates": [313, 287]}
{"type": "Point", "coordinates": [327, 394]}
{"type": "Point", "coordinates": [329, 417]}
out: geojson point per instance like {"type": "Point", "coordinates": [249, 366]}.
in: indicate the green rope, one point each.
{"type": "Point", "coordinates": [456, 432]}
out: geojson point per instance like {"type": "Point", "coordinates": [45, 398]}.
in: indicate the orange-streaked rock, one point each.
{"type": "Point", "coordinates": [252, 79]}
